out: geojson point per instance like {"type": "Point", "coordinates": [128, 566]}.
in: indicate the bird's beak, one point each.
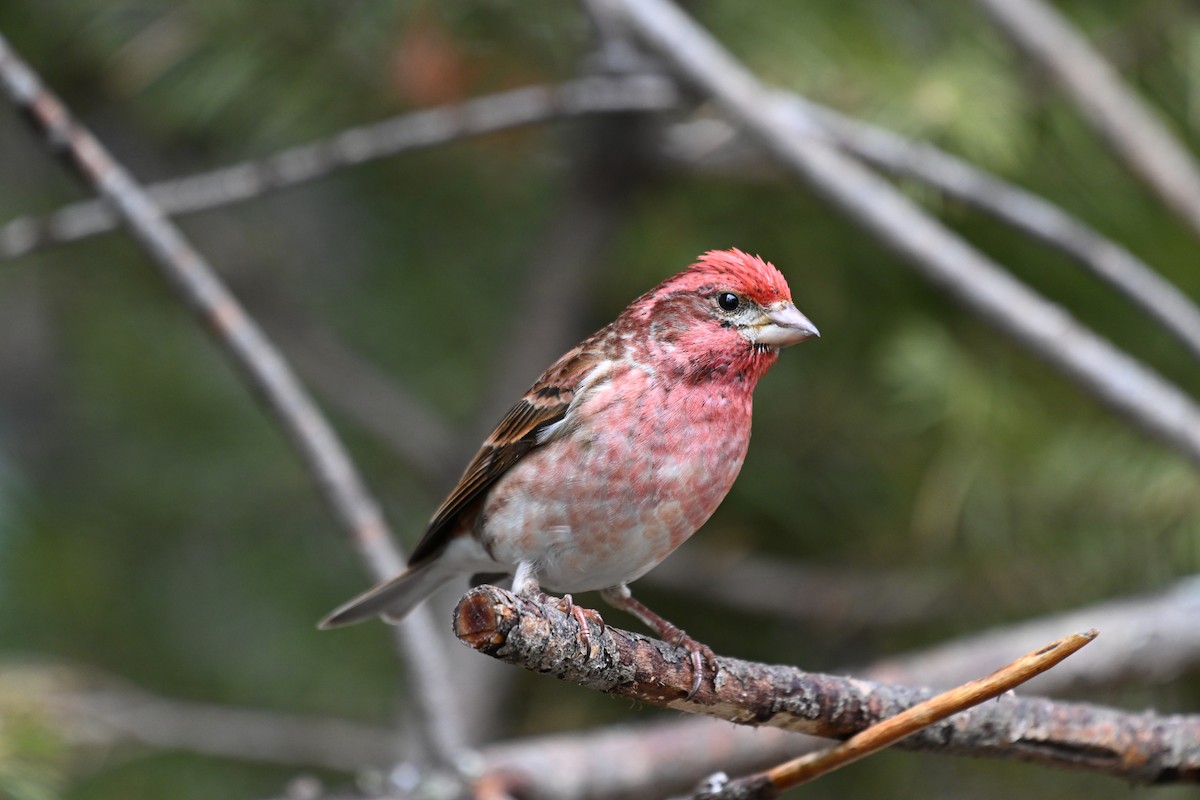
{"type": "Point", "coordinates": [782, 324]}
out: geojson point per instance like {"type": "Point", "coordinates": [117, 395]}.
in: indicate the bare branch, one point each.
{"type": "Point", "coordinates": [659, 759]}
{"type": "Point", "coordinates": [809, 767]}
{"type": "Point", "coordinates": [1127, 124]}
{"type": "Point", "coordinates": [538, 636]}
{"type": "Point", "coordinates": [934, 251]}
{"type": "Point", "coordinates": [350, 147]}
{"type": "Point", "coordinates": [1022, 209]}
{"type": "Point", "coordinates": [193, 279]}
{"type": "Point", "coordinates": [88, 709]}
{"type": "Point", "coordinates": [1146, 640]}
{"type": "Point", "coordinates": [1151, 639]}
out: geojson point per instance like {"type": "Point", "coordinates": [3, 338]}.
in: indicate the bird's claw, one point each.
{"type": "Point", "coordinates": [583, 616]}
{"type": "Point", "coordinates": [699, 652]}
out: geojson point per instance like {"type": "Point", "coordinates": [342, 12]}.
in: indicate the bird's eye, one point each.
{"type": "Point", "coordinates": [728, 301]}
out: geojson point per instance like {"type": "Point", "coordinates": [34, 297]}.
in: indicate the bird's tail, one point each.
{"type": "Point", "coordinates": [394, 599]}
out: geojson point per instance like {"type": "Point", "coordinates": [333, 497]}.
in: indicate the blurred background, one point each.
{"type": "Point", "coordinates": [914, 475]}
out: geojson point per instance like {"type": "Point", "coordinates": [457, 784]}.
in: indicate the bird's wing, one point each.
{"type": "Point", "coordinates": [522, 429]}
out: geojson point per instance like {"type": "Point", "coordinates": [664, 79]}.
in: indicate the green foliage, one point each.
{"type": "Point", "coordinates": [33, 757]}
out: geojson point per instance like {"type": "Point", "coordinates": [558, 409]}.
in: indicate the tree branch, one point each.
{"type": "Point", "coordinates": [1147, 640]}
{"type": "Point", "coordinates": [351, 147]}
{"type": "Point", "coordinates": [259, 363]}
{"type": "Point", "coordinates": [1145, 748]}
{"type": "Point", "coordinates": [1130, 128]}
{"type": "Point", "coordinates": [934, 251]}
{"type": "Point", "coordinates": [807, 768]}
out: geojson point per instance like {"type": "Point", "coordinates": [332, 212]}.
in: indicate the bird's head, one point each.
{"type": "Point", "coordinates": [727, 309]}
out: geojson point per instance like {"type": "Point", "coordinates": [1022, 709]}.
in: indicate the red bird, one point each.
{"type": "Point", "coordinates": [617, 454]}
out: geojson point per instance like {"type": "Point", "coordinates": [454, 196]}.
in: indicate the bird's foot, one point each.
{"type": "Point", "coordinates": [583, 616]}
{"type": "Point", "coordinates": [524, 585]}
{"type": "Point", "coordinates": [700, 653]}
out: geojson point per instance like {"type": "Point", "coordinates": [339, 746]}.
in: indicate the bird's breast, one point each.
{"type": "Point", "coordinates": [636, 469]}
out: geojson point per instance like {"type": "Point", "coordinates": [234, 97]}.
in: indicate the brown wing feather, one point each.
{"type": "Point", "coordinates": [543, 405]}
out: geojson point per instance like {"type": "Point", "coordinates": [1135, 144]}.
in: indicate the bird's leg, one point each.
{"type": "Point", "coordinates": [620, 597]}
{"type": "Point", "coordinates": [582, 616]}
{"type": "Point", "coordinates": [525, 584]}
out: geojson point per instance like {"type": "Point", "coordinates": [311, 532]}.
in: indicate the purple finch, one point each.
{"type": "Point", "coordinates": [617, 454]}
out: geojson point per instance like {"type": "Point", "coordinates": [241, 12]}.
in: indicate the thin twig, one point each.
{"type": "Point", "coordinates": [934, 251]}
{"type": "Point", "coordinates": [193, 279]}
{"type": "Point", "coordinates": [539, 636]}
{"type": "Point", "coordinates": [1125, 122]}
{"type": "Point", "coordinates": [351, 147]}
{"type": "Point", "coordinates": [809, 767]}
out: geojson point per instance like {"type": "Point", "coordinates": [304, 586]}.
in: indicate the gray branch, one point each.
{"type": "Point", "coordinates": [1132, 130]}
{"type": "Point", "coordinates": [1147, 640]}
{"type": "Point", "coordinates": [259, 363]}
{"type": "Point", "coordinates": [1011, 204]}
{"type": "Point", "coordinates": [351, 147]}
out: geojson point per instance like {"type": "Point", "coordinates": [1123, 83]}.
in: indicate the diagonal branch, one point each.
{"type": "Point", "coordinates": [1128, 125]}
{"type": "Point", "coordinates": [1146, 748]}
{"type": "Point", "coordinates": [260, 364]}
{"type": "Point", "coordinates": [934, 251]}
{"type": "Point", "coordinates": [351, 147]}
{"type": "Point", "coordinates": [1011, 204]}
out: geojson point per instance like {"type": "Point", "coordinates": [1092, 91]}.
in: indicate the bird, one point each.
{"type": "Point", "coordinates": [616, 455]}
